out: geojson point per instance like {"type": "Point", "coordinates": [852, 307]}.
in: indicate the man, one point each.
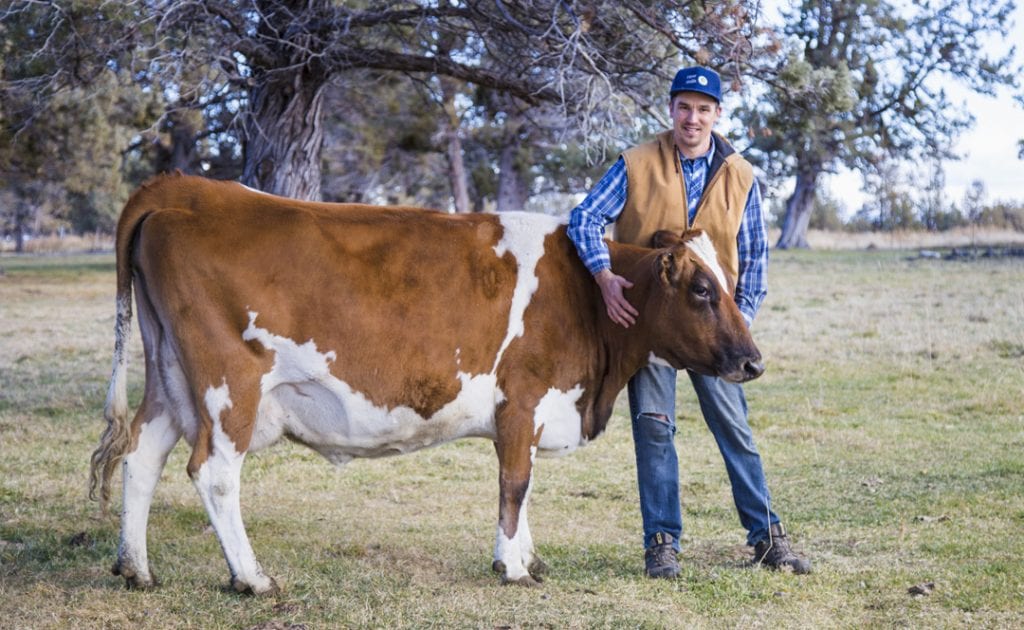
{"type": "Point", "coordinates": [687, 177]}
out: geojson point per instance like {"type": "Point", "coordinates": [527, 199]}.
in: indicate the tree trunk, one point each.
{"type": "Point", "coordinates": [19, 239]}
{"type": "Point", "coordinates": [457, 172]}
{"type": "Point", "coordinates": [512, 192]}
{"type": "Point", "coordinates": [453, 148]}
{"type": "Point", "coordinates": [183, 142]}
{"type": "Point", "coordinates": [23, 205]}
{"type": "Point", "coordinates": [798, 210]}
{"type": "Point", "coordinates": [511, 187]}
{"type": "Point", "coordinates": [284, 134]}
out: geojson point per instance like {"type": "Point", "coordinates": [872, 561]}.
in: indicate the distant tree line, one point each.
{"type": "Point", "coordinates": [893, 207]}
{"type": "Point", "coordinates": [464, 105]}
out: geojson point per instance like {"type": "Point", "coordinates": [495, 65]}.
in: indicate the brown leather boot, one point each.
{"type": "Point", "coordinates": [774, 552]}
{"type": "Point", "coordinates": [660, 558]}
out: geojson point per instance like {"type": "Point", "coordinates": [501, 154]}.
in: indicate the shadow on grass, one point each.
{"type": "Point", "coordinates": [68, 556]}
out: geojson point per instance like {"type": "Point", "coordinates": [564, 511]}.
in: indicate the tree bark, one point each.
{"type": "Point", "coordinates": [284, 134]}
{"type": "Point", "coordinates": [457, 172]}
{"type": "Point", "coordinates": [453, 148]}
{"type": "Point", "coordinates": [512, 193]}
{"type": "Point", "coordinates": [19, 239]}
{"type": "Point", "coordinates": [798, 210]}
{"type": "Point", "coordinates": [183, 142]}
{"type": "Point", "coordinates": [180, 153]}
{"type": "Point", "coordinates": [511, 188]}
{"type": "Point", "coordinates": [26, 199]}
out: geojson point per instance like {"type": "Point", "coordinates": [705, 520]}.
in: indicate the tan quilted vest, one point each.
{"type": "Point", "coordinates": [656, 196]}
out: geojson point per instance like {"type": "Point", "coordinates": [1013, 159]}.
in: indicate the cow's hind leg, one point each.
{"type": "Point", "coordinates": [141, 468]}
{"type": "Point", "coordinates": [514, 555]}
{"type": "Point", "coordinates": [215, 468]}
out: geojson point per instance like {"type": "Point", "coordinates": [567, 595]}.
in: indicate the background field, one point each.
{"type": "Point", "coordinates": [890, 420]}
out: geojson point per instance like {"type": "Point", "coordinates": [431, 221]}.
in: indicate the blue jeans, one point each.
{"type": "Point", "coordinates": [652, 406]}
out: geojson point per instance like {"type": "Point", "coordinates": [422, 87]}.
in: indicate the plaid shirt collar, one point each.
{"type": "Point", "coordinates": [706, 158]}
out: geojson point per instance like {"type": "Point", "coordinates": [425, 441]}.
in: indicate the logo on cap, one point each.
{"type": "Point", "coordinates": [697, 79]}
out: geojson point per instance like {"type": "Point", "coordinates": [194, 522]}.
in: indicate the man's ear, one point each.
{"type": "Point", "coordinates": [665, 238]}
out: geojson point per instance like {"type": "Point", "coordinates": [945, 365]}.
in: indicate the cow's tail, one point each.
{"type": "Point", "coordinates": [116, 438]}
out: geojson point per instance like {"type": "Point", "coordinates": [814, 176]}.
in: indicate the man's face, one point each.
{"type": "Point", "coordinates": [693, 116]}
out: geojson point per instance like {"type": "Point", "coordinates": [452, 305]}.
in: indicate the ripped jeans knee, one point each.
{"type": "Point", "coordinates": [653, 428]}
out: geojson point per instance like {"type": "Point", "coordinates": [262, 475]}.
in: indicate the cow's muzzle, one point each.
{"type": "Point", "coordinates": [752, 369]}
{"type": "Point", "coordinates": [746, 370]}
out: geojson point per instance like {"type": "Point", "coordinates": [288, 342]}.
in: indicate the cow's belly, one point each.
{"type": "Point", "coordinates": [342, 424]}
{"type": "Point", "coordinates": [302, 399]}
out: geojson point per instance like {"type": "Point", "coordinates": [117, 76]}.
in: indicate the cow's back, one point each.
{"type": "Point", "coordinates": [406, 309]}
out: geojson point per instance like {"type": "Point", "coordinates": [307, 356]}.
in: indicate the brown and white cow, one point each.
{"type": "Point", "coordinates": [365, 331]}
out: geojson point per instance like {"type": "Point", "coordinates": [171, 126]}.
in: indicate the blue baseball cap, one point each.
{"type": "Point", "coordinates": [698, 79]}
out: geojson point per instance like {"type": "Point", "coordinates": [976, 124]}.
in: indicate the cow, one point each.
{"type": "Point", "coordinates": [363, 331]}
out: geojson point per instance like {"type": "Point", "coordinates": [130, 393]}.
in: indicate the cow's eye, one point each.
{"type": "Point", "coordinates": [700, 291]}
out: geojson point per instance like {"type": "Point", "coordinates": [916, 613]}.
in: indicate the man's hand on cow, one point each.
{"type": "Point", "coordinates": [619, 309]}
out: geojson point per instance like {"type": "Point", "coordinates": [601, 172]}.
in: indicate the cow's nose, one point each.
{"type": "Point", "coordinates": [753, 369]}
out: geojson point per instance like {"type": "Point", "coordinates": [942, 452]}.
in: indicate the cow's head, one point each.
{"type": "Point", "coordinates": [692, 318]}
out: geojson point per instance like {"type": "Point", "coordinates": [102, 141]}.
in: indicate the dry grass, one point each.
{"type": "Point", "coordinates": [69, 244]}
{"type": "Point", "coordinates": [890, 422]}
{"type": "Point", "coordinates": [909, 239]}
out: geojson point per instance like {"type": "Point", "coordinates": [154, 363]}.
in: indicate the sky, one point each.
{"type": "Point", "coordinates": [989, 148]}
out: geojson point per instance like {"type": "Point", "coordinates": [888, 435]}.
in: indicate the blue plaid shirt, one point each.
{"type": "Point", "coordinates": [606, 200]}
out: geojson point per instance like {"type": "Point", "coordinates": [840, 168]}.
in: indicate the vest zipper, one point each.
{"type": "Point", "coordinates": [682, 182]}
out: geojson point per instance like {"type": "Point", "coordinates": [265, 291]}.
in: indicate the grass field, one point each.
{"type": "Point", "coordinates": [891, 421]}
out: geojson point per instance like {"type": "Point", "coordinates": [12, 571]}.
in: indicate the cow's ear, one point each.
{"type": "Point", "coordinates": [669, 269]}
{"type": "Point", "coordinates": [665, 238]}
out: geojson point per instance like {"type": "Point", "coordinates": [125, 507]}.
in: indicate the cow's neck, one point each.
{"type": "Point", "coordinates": [626, 350]}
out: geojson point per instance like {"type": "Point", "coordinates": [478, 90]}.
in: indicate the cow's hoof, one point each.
{"type": "Point", "coordinates": [537, 567]}
{"type": "Point", "coordinates": [527, 580]}
{"type": "Point", "coordinates": [133, 581]}
{"type": "Point", "coordinates": [266, 589]}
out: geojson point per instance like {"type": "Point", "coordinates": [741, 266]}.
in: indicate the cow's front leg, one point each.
{"type": "Point", "coordinates": [140, 472]}
{"type": "Point", "coordinates": [514, 556]}
{"type": "Point", "coordinates": [534, 565]}
{"type": "Point", "coordinates": [217, 478]}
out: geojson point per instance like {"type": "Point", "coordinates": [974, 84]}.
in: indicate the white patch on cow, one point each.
{"type": "Point", "coordinates": [217, 481]}
{"type": "Point", "coordinates": [218, 400]}
{"type": "Point", "coordinates": [523, 235]}
{"type": "Point", "coordinates": [705, 250]}
{"type": "Point", "coordinates": [517, 552]}
{"type": "Point", "coordinates": [560, 421]}
{"type": "Point", "coordinates": [303, 399]}
{"type": "Point", "coordinates": [140, 472]}
{"type": "Point", "coordinates": [508, 551]}
{"type": "Point", "coordinates": [293, 363]}
{"type": "Point", "coordinates": [653, 359]}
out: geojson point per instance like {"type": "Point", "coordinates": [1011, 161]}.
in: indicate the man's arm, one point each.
{"type": "Point", "coordinates": [752, 247]}
{"type": "Point", "coordinates": [586, 230]}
